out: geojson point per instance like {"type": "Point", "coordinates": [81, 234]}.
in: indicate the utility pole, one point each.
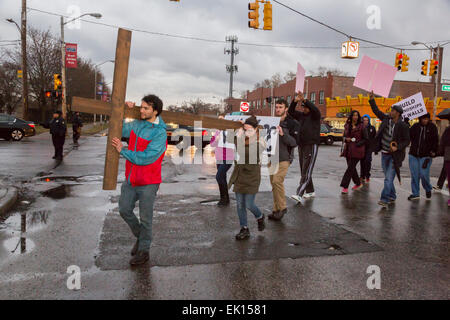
{"type": "Point", "coordinates": [63, 71]}
{"type": "Point", "coordinates": [23, 32]}
{"type": "Point", "coordinates": [438, 54]}
{"type": "Point", "coordinates": [231, 68]}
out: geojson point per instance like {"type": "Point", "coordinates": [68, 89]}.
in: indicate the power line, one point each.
{"type": "Point", "coordinates": [378, 46]}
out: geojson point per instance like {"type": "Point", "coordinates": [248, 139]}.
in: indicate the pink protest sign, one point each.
{"type": "Point", "coordinates": [300, 79]}
{"type": "Point", "coordinates": [375, 75]}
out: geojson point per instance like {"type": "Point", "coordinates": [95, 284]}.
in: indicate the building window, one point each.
{"type": "Point", "coordinates": [306, 95]}
{"type": "Point", "coordinates": [313, 97]}
{"type": "Point", "coordinates": [321, 97]}
{"type": "Point", "coordinates": [289, 99]}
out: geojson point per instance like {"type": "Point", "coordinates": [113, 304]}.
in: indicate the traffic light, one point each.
{"type": "Point", "coordinates": [433, 67]}
{"type": "Point", "coordinates": [398, 60]}
{"type": "Point", "coordinates": [268, 16]}
{"type": "Point", "coordinates": [253, 15]}
{"type": "Point", "coordinates": [48, 94]}
{"type": "Point", "coordinates": [424, 68]}
{"type": "Point", "coordinates": [405, 63]}
{"type": "Point", "coordinates": [57, 84]}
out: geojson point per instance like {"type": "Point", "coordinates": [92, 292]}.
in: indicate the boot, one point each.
{"type": "Point", "coordinates": [224, 198]}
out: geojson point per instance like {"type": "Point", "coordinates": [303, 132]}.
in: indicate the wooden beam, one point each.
{"type": "Point", "coordinates": [90, 106]}
{"type": "Point", "coordinates": [117, 109]}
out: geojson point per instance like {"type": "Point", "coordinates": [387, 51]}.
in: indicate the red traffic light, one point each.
{"type": "Point", "coordinates": [48, 94]}
{"type": "Point", "coordinates": [400, 56]}
{"type": "Point", "coordinates": [436, 62]}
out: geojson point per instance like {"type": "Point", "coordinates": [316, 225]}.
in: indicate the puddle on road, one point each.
{"type": "Point", "coordinates": [59, 192]}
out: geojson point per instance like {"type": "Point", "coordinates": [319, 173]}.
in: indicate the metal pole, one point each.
{"type": "Point", "coordinates": [95, 91]}
{"type": "Point", "coordinates": [272, 111]}
{"type": "Point", "coordinates": [23, 32]}
{"type": "Point", "coordinates": [63, 71]}
{"type": "Point", "coordinates": [232, 68]}
{"type": "Point", "coordinates": [436, 81]}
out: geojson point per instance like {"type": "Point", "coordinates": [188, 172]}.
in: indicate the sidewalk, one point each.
{"type": "Point", "coordinates": [8, 197]}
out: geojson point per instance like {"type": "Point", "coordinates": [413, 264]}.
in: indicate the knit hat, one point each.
{"type": "Point", "coordinates": [425, 116]}
{"type": "Point", "coordinates": [397, 108]}
{"type": "Point", "coordinates": [58, 112]}
{"type": "Point", "coordinates": [252, 121]}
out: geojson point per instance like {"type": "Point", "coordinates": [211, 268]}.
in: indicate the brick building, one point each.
{"type": "Point", "coordinates": [318, 89]}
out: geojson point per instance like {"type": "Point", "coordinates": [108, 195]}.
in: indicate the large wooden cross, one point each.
{"type": "Point", "coordinates": [118, 111]}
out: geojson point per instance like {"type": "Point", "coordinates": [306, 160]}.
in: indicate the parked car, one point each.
{"type": "Point", "coordinates": [12, 128]}
{"type": "Point", "coordinates": [329, 135]}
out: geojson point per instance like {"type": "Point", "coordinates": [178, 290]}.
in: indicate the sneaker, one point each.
{"type": "Point", "coordinates": [135, 248]}
{"type": "Point", "coordinates": [383, 204]}
{"type": "Point", "coordinates": [428, 195]}
{"type": "Point", "coordinates": [391, 201]}
{"type": "Point", "coordinates": [243, 234]}
{"type": "Point", "coordinates": [344, 190]}
{"type": "Point", "coordinates": [273, 215]}
{"type": "Point", "coordinates": [413, 197]}
{"type": "Point", "coordinates": [309, 195]}
{"type": "Point", "coordinates": [297, 198]}
{"type": "Point", "coordinates": [277, 215]}
{"type": "Point", "coordinates": [357, 187]}
{"type": "Point", "coordinates": [437, 189]}
{"type": "Point", "coordinates": [261, 224]}
{"type": "Point", "coordinates": [141, 257]}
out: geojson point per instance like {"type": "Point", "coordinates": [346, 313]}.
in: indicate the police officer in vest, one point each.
{"type": "Point", "coordinates": [58, 130]}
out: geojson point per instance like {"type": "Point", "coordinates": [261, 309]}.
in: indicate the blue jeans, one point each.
{"type": "Point", "coordinates": [419, 174]}
{"type": "Point", "coordinates": [244, 202]}
{"type": "Point", "coordinates": [146, 195]}
{"type": "Point", "coordinates": [388, 193]}
{"type": "Point", "coordinates": [221, 176]}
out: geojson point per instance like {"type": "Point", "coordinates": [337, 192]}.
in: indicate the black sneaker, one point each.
{"type": "Point", "coordinates": [273, 215]}
{"type": "Point", "coordinates": [413, 197]}
{"type": "Point", "coordinates": [141, 257]}
{"type": "Point", "coordinates": [135, 248]}
{"type": "Point", "coordinates": [428, 195]}
{"type": "Point", "coordinates": [243, 234]}
{"type": "Point", "coordinates": [383, 204]}
{"type": "Point", "coordinates": [261, 224]}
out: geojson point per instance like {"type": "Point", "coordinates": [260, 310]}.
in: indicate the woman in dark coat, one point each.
{"type": "Point", "coordinates": [246, 175]}
{"type": "Point", "coordinates": [355, 137]}
{"type": "Point", "coordinates": [444, 150]}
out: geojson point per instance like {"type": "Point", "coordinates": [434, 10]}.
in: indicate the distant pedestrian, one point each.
{"type": "Point", "coordinates": [392, 139]}
{"type": "Point", "coordinates": [424, 147]}
{"type": "Point", "coordinates": [441, 180]}
{"type": "Point", "coordinates": [279, 163]}
{"type": "Point", "coordinates": [76, 127]}
{"type": "Point", "coordinates": [444, 150]}
{"type": "Point", "coordinates": [356, 137]}
{"type": "Point", "coordinates": [58, 131]}
{"type": "Point", "coordinates": [224, 160]}
{"type": "Point", "coordinates": [144, 156]}
{"type": "Point", "coordinates": [309, 139]}
{"type": "Point", "coordinates": [366, 163]}
{"type": "Point", "coordinates": [246, 176]}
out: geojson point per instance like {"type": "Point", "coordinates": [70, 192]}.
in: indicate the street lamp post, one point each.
{"type": "Point", "coordinates": [95, 84]}
{"type": "Point", "coordinates": [63, 59]}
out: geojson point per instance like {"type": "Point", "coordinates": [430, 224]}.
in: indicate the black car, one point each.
{"type": "Point", "coordinates": [15, 128]}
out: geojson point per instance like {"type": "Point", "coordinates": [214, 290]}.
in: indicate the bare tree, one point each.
{"type": "Point", "coordinates": [323, 71]}
{"type": "Point", "coordinates": [10, 94]}
{"type": "Point", "coordinates": [289, 76]}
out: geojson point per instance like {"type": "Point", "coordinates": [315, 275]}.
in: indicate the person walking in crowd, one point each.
{"type": "Point", "coordinates": [424, 146]}
{"type": "Point", "coordinates": [356, 136]}
{"type": "Point", "coordinates": [224, 160]}
{"type": "Point", "coordinates": [288, 131]}
{"type": "Point", "coordinates": [144, 156]}
{"type": "Point", "coordinates": [58, 131]}
{"type": "Point", "coordinates": [76, 127]}
{"type": "Point", "coordinates": [366, 163]}
{"type": "Point", "coordinates": [246, 176]}
{"type": "Point", "coordinates": [308, 143]}
{"type": "Point", "coordinates": [392, 139]}
{"type": "Point", "coordinates": [444, 150]}
{"type": "Point", "coordinates": [441, 180]}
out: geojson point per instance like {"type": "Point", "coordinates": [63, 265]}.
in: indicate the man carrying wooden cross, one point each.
{"type": "Point", "coordinates": [145, 153]}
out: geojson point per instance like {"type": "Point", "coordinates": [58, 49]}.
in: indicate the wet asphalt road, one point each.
{"type": "Point", "coordinates": [321, 250]}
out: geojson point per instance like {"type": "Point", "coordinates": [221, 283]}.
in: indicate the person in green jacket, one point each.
{"type": "Point", "coordinates": [246, 175]}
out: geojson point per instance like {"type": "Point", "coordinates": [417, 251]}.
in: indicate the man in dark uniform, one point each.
{"type": "Point", "coordinates": [58, 131]}
{"type": "Point", "coordinates": [76, 126]}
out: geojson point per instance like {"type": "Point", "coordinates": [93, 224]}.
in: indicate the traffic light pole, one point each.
{"type": "Point", "coordinates": [23, 35]}
{"type": "Point", "coordinates": [63, 71]}
{"type": "Point", "coordinates": [232, 68]}
{"type": "Point", "coordinates": [437, 79]}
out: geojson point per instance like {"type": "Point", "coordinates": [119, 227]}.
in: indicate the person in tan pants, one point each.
{"type": "Point", "coordinates": [280, 162]}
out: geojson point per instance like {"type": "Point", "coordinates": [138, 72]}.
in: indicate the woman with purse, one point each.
{"type": "Point", "coordinates": [355, 138]}
{"type": "Point", "coordinates": [246, 176]}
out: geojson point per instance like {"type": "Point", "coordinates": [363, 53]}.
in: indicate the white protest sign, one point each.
{"type": "Point", "coordinates": [413, 107]}
{"type": "Point", "coordinates": [300, 79]}
{"type": "Point", "coordinates": [269, 125]}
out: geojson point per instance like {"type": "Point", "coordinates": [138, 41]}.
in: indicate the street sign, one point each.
{"type": "Point", "coordinates": [350, 50]}
{"type": "Point", "coordinates": [446, 87]}
{"type": "Point", "coordinates": [244, 106]}
{"type": "Point", "coordinates": [71, 55]}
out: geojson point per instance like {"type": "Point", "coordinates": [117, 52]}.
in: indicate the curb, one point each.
{"type": "Point", "coordinates": [8, 200]}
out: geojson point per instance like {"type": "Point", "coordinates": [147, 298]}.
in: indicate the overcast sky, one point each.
{"type": "Point", "coordinates": [180, 69]}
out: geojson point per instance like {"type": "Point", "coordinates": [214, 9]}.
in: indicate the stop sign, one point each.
{"type": "Point", "coordinates": [244, 106]}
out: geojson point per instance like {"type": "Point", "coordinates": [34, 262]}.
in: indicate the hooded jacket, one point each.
{"type": "Point", "coordinates": [146, 148]}
{"type": "Point", "coordinates": [424, 140]}
{"type": "Point", "coordinates": [371, 142]}
{"type": "Point", "coordinates": [309, 132]}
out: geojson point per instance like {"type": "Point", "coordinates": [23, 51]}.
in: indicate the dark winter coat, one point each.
{"type": "Point", "coordinates": [76, 122]}
{"type": "Point", "coordinates": [400, 134]}
{"type": "Point", "coordinates": [444, 146]}
{"type": "Point", "coordinates": [424, 140]}
{"type": "Point", "coordinates": [309, 123]}
{"type": "Point", "coordinates": [356, 149]}
{"type": "Point", "coordinates": [287, 142]}
{"type": "Point", "coordinates": [58, 127]}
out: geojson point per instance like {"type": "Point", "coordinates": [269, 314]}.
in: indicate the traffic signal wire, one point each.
{"type": "Point", "coordinates": [379, 46]}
